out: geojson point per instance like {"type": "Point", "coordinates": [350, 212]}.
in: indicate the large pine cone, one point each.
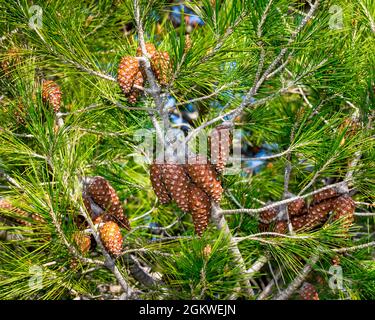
{"type": "Point", "coordinates": [105, 196]}
{"type": "Point", "coordinates": [203, 174]}
{"type": "Point", "coordinates": [177, 183]}
{"type": "Point", "coordinates": [200, 208]}
{"type": "Point", "coordinates": [158, 184]}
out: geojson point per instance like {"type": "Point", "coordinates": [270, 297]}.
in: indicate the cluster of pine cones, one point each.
{"type": "Point", "coordinates": [106, 211]}
{"type": "Point", "coordinates": [192, 186]}
{"type": "Point", "coordinates": [131, 72]}
{"type": "Point", "coordinates": [303, 217]}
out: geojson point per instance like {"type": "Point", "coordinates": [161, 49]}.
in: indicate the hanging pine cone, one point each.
{"type": "Point", "coordinates": [344, 208]}
{"type": "Point", "coordinates": [296, 208]}
{"type": "Point", "coordinates": [134, 93]}
{"type": "Point", "coordinates": [204, 176]}
{"type": "Point", "coordinates": [200, 208]}
{"type": "Point", "coordinates": [220, 142]}
{"type": "Point", "coordinates": [325, 194]}
{"type": "Point", "coordinates": [110, 234]}
{"type": "Point", "coordinates": [308, 292]}
{"type": "Point", "coordinates": [177, 183]}
{"type": "Point", "coordinates": [281, 226]}
{"type": "Point", "coordinates": [315, 216]}
{"type": "Point", "coordinates": [82, 241]}
{"type": "Point", "coordinates": [162, 67]}
{"type": "Point", "coordinates": [51, 94]}
{"type": "Point", "coordinates": [105, 196]}
{"type": "Point", "coordinates": [158, 184]}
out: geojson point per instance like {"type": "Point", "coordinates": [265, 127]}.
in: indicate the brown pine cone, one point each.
{"type": "Point", "coordinates": [7, 206]}
{"type": "Point", "coordinates": [267, 216]}
{"type": "Point", "coordinates": [177, 183]}
{"type": "Point", "coordinates": [315, 216]}
{"type": "Point", "coordinates": [82, 241]}
{"type": "Point", "coordinates": [158, 184]}
{"type": "Point", "coordinates": [150, 48]}
{"type": "Point", "coordinates": [281, 226]}
{"type": "Point", "coordinates": [105, 196]}
{"type": "Point", "coordinates": [127, 73]}
{"type": "Point", "coordinates": [203, 174]}
{"type": "Point", "coordinates": [162, 67]}
{"type": "Point", "coordinates": [220, 142]}
{"type": "Point", "coordinates": [296, 208]}
{"type": "Point", "coordinates": [344, 207]}
{"type": "Point", "coordinates": [51, 94]}
{"type": "Point", "coordinates": [134, 93]}
{"type": "Point", "coordinates": [110, 234]}
{"type": "Point", "coordinates": [308, 292]}
{"type": "Point", "coordinates": [200, 208]}
{"type": "Point", "coordinates": [325, 194]}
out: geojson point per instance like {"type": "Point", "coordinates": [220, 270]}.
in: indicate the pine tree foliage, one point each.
{"type": "Point", "coordinates": [296, 77]}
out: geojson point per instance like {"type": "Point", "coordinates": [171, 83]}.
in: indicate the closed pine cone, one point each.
{"type": "Point", "coordinates": [296, 208]}
{"type": "Point", "coordinates": [51, 93]}
{"type": "Point", "coordinates": [110, 234]}
{"type": "Point", "coordinates": [308, 292]}
{"type": "Point", "coordinates": [220, 142]}
{"type": "Point", "coordinates": [325, 194]}
{"type": "Point", "coordinates": [203, 174]}
{"type": "Point", "coordinates": [162, 67]}
{"type": "Point", "coordinates": [158, 184]}
{"type": "Point", "coordinates": [200, 208]}
{"type": "Point", "coordinates": [134, 93]}
{"type": "Point", "coordinates": [105, 196]}
{"type": "Point", "coordinates": [344, 208]}
{"type": "Point", "coordinates": [177, 183]}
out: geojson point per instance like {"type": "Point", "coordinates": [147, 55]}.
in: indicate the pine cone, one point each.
{"type": "Point", "coordinates": [150, 48]}
{"type": "Point", "coordinates": [134, 93]}
{"type": "Point", "coordinates": [177, 183]}
{"type": "Point", "coordinates": [7, 206]}
{"type": "Point", "coordinates": [315, 216]}
{"type": "Point", "coordinates": [308, 292]}
{"type": "Point", "coordinates": [323, 195]}
{"type": "Point", "coordinates": [105, 196]}
{"type": "Point", "coordinates": [200, 208]}
{"type": "Point", "coordinates": [344, 207]}
{"type": "Point", "coordinates": [51, 94]}
{"type": "Point", "coordinates": [162, 67]}
{"type": "Point", "coordinates": [204, 176]}
{"type": "Point", "coordinates": [82, 241]}
{"type": "Point", "coordinates": [267, 216]}
{"type": "Point", "coordinates": [220, 142]}
{"type": "Point", "coordinates": [127, 73]}
{"type": "Point", "coordinates": [281, 226]}
{"type": "Point", "coordinates": [296, 207]}
{"type": "Point", "coordinates": [111, 237]}
{"type": "Point", "coordinates": [158, 184]}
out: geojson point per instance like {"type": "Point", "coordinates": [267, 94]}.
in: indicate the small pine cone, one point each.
{"type": "Point", "coordinates": [127, 73]}
{"type": "Point", "coordinates": [344, 207]}
{"type": "Point", "coordinates": [220, 142]}
{"type": "Point", "coordinates": [150, 48]}
{"type": "Point", "coordinates": [204, 176]}
{"type": "Point", "coordinates": [308, 292]}
{"type": "Point", "coordinates": [105, 196]}
{"type": "Point", "coordinates": [82, 241]}
{"type": "Point", "coordinates": [110, 234]}
{"type": "Point", "coordinates": [158, 184]}
{"type": "Point", "coordinates": [51, 93]}
{"type": "Point", "coordinates": [296, 208]}
{"type": "Point", "coordinates": [134, 93]}
{"type": "Point", "coordinates": [315, 216]}
{"type": "Point", "coordinates": [177, 183]}
{"type": "Point", "coordinates": [267, 216]}
{"type": "Point", "coordinates": [200, 208]}
{"type": "Point", "coordinates": [162, 67]}
{"type": "Point", "coordinates": [324, 195]}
